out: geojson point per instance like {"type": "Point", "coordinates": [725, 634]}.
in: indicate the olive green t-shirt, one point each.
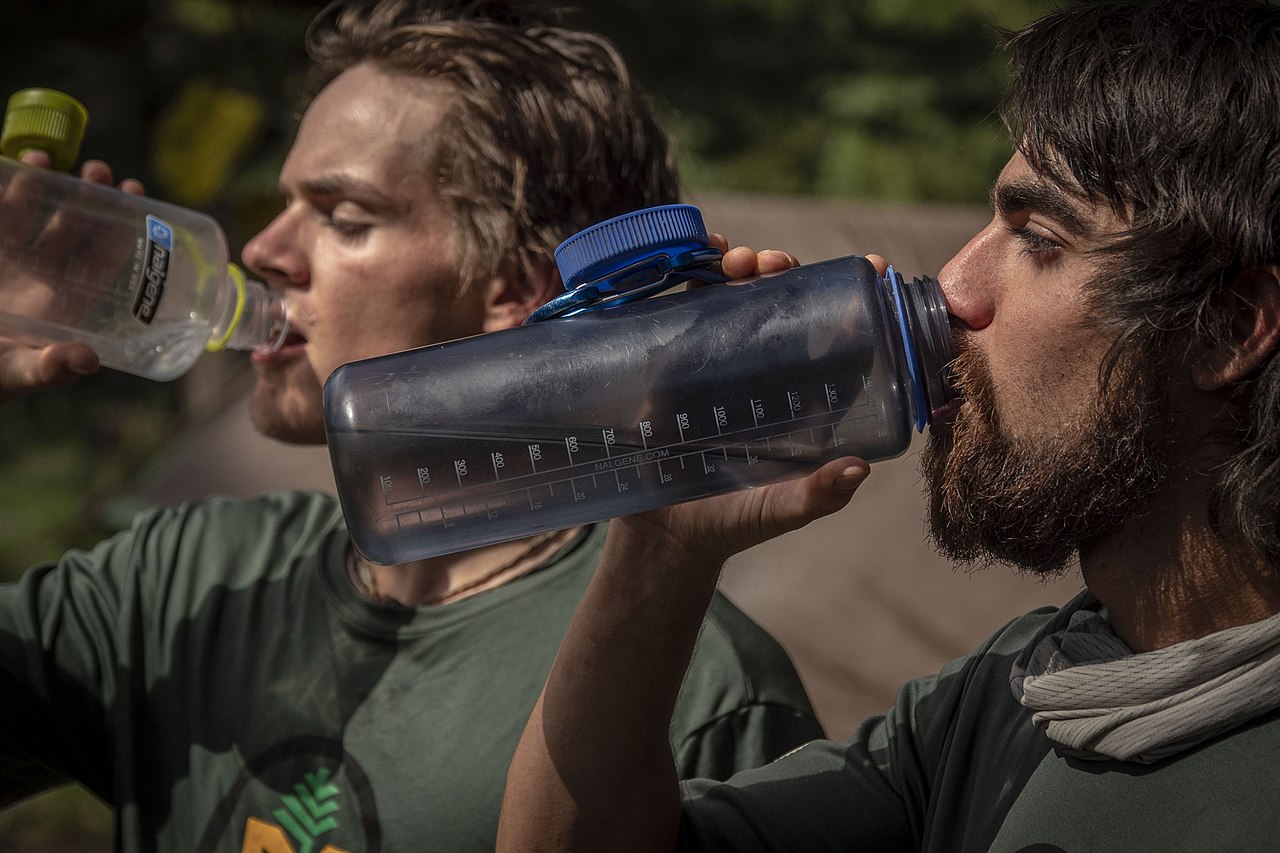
{"type": "Point", "coordinates": [957, 765]}
{"type": "Point", "coordinates": [213, 674]}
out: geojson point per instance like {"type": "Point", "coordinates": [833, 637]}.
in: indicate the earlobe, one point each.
{"type": "Point", "coordinates": [1253, 304]}
{"type": "Point", "coordinates": [512, 295]}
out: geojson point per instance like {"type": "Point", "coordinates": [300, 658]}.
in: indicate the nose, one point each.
{"type": "Point", "coordinates": [967, 281]}
{"type": "Point", "coordinates": [275, 254]}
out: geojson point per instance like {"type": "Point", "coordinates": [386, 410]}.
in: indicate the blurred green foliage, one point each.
{"type": "Point", "coordinates": [869, 99]}
{"type": "Point", "coordinates": [879, 99]}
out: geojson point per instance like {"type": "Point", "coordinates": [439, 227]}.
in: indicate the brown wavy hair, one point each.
{"type": "Point", "coordinates": [545, 132]}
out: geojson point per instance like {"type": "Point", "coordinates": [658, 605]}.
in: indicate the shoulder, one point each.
{"type": "Point", "coordinates": [733, 646]}
{"type": "Point", "coordinates": [222, 538]}
{"type": "Point", "coordinates": [737, 664]}
{"type": "Point", "coordinates": [240, 523]}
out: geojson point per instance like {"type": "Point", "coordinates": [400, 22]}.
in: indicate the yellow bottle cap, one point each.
{"type": "Point", "coordinates": [46, 120]}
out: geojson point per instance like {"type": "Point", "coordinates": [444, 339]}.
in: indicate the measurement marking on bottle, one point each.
{"type": "Point", "coordinates": [757, 412]}
{"type": "Point", "coordinates": [833, 396]}
{"type": "Point", "coordinates": [751, 447]}
{"type": "Point", "coordinates": [646, 433]}
{"type": "Point", "coordinates": [793, 404]}
{"type": "Point", "coordinates": [721, 418]}
{"type": "Point", "coordinates": [402, 516]}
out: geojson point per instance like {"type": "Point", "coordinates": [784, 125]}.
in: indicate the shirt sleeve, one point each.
{"type": "Point", "coordinates": [878, 790]}
{"type": "Point", "coordinates": [750, 736]}
{"type": "Point", "coordinates": [60, 669]}
{"type": "Point", "coordinates": [821, 796]}
{"type": "Point", "coordinates": [741, 704]}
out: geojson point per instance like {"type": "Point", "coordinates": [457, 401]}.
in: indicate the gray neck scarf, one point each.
{"type": "Point", "coordinates": [1098, 699]}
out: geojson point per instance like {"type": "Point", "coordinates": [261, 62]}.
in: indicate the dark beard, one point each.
{"type": "Point", "coordinates": [1033, 504]}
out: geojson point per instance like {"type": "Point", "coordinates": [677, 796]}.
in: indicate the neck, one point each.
{"type": "Point", "coordinates": [1166, 575]}
{"type": "Point", "coordinates": [455, 577]}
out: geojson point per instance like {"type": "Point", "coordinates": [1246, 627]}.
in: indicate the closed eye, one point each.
{"type": "Point", "coordinates": [1034, 244]}
{"type": "Point", "coordinates": [347, 228]}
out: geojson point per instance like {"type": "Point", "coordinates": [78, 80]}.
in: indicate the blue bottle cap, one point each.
{"type": "Point", "coordinates": [599, 253]}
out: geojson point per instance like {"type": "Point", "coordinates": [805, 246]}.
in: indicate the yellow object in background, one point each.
{"type": "Point", "coordinates": [200, 136]}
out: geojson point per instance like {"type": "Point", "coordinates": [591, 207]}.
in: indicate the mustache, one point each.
{"type": "Point", "coordinates": [970, 375]}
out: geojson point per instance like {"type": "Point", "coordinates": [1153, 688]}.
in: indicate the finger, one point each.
{"type": "Point", "coordinates": [24, 369]}
{"type": "Point", "coordinates": [37, 158]}
{"type": "Point", "coordinates": [718, 241]}
{"type": "Point", "coordinates": [739, 262]}
{"type": "Point", "coordinates": [827, 490]}
{"type": "Point", "coordinates": [133, 186]}
{"type": "Point", "coordinates": [881, 265]}
{"type": "Point", "coordinates": [773, 260]}
{"type": "Point", "coordinates": [96, 172]}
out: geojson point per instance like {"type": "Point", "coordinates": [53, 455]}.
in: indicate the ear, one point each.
{"type": "Point", "coordinates": [511, 296]}
{"type": "Point", "coordinates": [1253, 304]}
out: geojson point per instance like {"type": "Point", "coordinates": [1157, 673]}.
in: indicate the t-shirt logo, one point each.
{"type": "Point", "coordinates": [304, 795]}
{"type": "Point", "coordinates": [306, 816]}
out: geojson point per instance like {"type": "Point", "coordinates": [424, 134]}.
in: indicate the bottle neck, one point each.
{"type": "Point", "coordinates": [926, 331]}
{"type": "Point", "coordinates": [253, 317]}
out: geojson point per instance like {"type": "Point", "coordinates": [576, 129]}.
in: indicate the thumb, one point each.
{"type": "Point", "coordinates": [829, 489]}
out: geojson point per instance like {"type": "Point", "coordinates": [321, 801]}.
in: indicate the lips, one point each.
{"type": "Point", "coordinates": [947, 412]}
{"type": "Point", "coordinates": [293, 347]}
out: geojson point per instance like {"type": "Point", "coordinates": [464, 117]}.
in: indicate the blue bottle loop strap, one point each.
{"type": "Point", "coordinates": [636, 281]}
{"type": "Point", "coordinates": [914, 365]}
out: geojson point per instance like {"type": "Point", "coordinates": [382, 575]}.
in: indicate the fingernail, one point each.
{"type": "Point", "coordinates": [850, 478]}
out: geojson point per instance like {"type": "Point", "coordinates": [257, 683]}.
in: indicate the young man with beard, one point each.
{"type": "Point", "coordinates": [233, 675]}
{"type": "Point", "coordinates": [1117, 324]}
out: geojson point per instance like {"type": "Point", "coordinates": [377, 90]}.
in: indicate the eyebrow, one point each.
{"type": "Point", "coordinates": [327, 186]}
{"type": "Point", "coordinates": [1013, 196]}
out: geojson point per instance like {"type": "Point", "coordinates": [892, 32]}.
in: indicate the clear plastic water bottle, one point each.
{"type": "Point", "coordinates": [587, 414]}
{"type": "Point", "coordinates": [144, 283]}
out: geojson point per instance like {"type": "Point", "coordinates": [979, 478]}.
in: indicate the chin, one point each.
{"type": "Point", "coordinates": [292, 418]}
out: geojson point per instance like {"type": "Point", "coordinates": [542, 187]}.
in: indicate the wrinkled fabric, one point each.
{"type": "Point", "coordinates": [1098, 699]}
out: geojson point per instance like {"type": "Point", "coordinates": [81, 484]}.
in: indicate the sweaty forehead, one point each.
{"type": "Point", "coordinates": [378, 124]}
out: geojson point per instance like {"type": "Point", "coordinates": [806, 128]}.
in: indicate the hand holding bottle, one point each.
{"type": "Point", "coordinates": [25, 369]}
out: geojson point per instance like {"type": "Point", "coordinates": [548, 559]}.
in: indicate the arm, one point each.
{"type": "Point", "coordinates": [594, 770]}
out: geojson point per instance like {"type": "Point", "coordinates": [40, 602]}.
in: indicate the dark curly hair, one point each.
{"type": "Point", "coordinates": [1167, 113]}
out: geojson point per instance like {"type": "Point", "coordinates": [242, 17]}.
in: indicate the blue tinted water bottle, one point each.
{"type": "Point", "coordinates": [609, 403]}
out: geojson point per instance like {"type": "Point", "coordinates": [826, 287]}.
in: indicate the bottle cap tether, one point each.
{"type": "Point", "coordinates": [632, 256]}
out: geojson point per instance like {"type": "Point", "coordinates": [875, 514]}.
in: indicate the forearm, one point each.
{"type": "Point", "coordinates": [594, 769]}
